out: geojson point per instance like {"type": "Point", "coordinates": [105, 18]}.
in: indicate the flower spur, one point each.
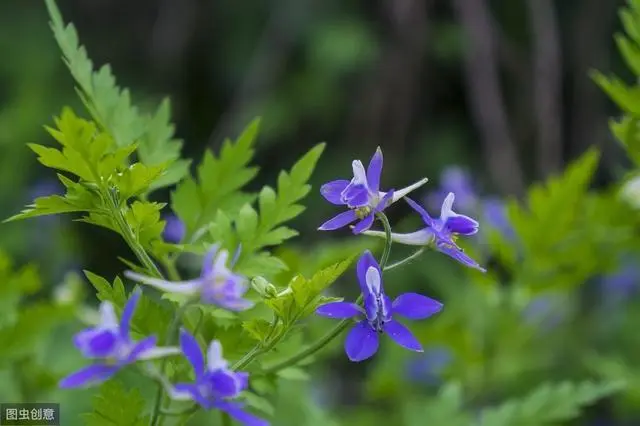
{"type": "Point", "coordinates": [216, 285]}
{"type": "Point", "coordinates": [440, 233]}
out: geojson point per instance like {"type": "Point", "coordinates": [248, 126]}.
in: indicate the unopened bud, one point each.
{"type": "Point", "coordinates": [631, 192]}
{"type": "Point", "coordinates": [264, 288]}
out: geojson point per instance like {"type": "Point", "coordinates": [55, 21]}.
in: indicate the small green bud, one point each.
{"type": "Point", "coordinates": [264, 287]}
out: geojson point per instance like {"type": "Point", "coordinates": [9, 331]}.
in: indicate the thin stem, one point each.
{"type": "Point", "coordinates": [184, 412]}
{"type": "Point", "coordinates": [388, 242]}
{"type": "Point", "coordinates": [342, 325]}
{"type": "Point", "coordinates": [130, 237]}
{"type": "Point", "coordinates": [170, 265]}
{"type": "Point", "coordinates": [171, 332]}
{"type": "Point", "coordinates": [406, 260]}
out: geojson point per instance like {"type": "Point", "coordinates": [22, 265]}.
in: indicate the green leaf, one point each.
{"type": "Point", "coordinates": [293, 373]}
{"type": "Point", "coordinates": [447, 408]}
{"type": "Point", "coordinates": [150, 317]}
{"type": "Point", "coordinates": [259, 403]}
{"type": "Point", "coordinates": [549, 404]}
{"type": "Point", "coordinates": [114, 405]}
{"type": "Point", "coordinates": [219, 183]}
{"type": "Point", "coordinates": [303, 295]}
{"type": "Point", "coordinates": [276, 209]}
{"type": "Point", "coordinates": [112, 108]}
{"type": "Point", "coordinates": [549, 228]}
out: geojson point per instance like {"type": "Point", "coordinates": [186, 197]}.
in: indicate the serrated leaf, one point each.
{"type": "Point", "coordinates": [445, 408]}
{"type": "Point", "coordinates": [149, 318]}
{"type": "Point", "coordinates": [219, 183]}
{"type": "Point", "coordinates": [303, 295]}
{"type": "Point", "coordinates": [114, 405]}
{"type": "Point", "coordinates": [112, 108]}
{"type": "Point", "coordinates": [549, 404]}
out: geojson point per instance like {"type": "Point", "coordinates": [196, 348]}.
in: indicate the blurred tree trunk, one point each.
{"type": "Point", "coordinates": [486, 97]}
{"type": "Point", "coordinates": [547, 77]}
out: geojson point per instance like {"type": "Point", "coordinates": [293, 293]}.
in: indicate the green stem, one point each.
{"type": "Point", "coordinates": [130, 237]}
{"type": "Point", "coordinates": [170, 265]}
{"type": "Point", "coordinates": [406, 260]}
{"type": "Point", "coordinates": [388, 242]}
{"type": "Point", "coordinates": [171, 334]}
{"type": "Point", "coordinates": [342, 325]}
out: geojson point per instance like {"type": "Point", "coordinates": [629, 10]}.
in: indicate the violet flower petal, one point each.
{"type": "Point", "coordinates": [402, 336]}
{"type": "Point", "coordinates": [192, 352]}
{"type": "Point", "coordinates": [361, 342]}
{"type": "Point", "coordinates": [339, 221]}
{"type": "Point", "coordinates": [427, 219]}
{"type": "Point", "coordinates": [461, 224]}
{"type": "Point", "coordinates": [332, 191]}
{"type": "Point", "coordinates": [236, 412]}
{"type": "Point", "coordinates": [89, 375]}
{"type": "Point", "coordinates": [140, 348]}
{"type": "Point", "coordinates": [374, 171]}
{"type": "Point", "coordinates": [127, 315]}
{"type": "Point", "coordinates": [215, 360]}
{"type": "Point", "coordinates": [223, 383]}
{"type": "Point", "coordinates": [415, 306]}
{"type": "Point", "coordinates": [208, 261]}
{"type": "Point", "coordinates": [364, 224]}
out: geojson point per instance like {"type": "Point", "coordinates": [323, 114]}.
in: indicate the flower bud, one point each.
{"type": "Point", "coordinates": [264, 287]}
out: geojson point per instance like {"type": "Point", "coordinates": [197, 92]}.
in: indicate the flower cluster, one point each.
{"type": "Point", "coordinates": [364, 199]}
{"type": "Point", "coordinates": [216, 386]}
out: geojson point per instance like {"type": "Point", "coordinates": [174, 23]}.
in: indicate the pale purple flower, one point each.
{"type": "Point", "coordinates": [457, 180]}
{"type": "Point", "coordinates": [439, 233]}
{"type": "Point", "coordinates": [215, 385]}
{"type": "Point", "coordinates": [110, 345]}
{"type": "Point", "coordinates": [361, 195]}
{"type": "Point", "coordinates": [216, 285]}
{"type": "Point", "coordinates": [623, 282]}
{"type": "Point", "coordinates": [427, 367]}
{"type": "Point", "coordinates": [377, 316]}
{"type": "Point", "coordinates": [174, 229]}
{"type": "Point", "coordinates": [494, 214]}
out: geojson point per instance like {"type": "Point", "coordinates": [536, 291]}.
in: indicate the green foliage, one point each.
{"type": "Point", "coordinates": [114, 405]}
{"type": "Point", "coordinates": [150, 316]}
{"type": "Point", "coordinates": [303, 296]}
{"type": "Point", "coordinates": [219, 183]}
{"type": "Point", "coordinates": [447, 408]}
{"type": "Point", "coordinates": [25, 328]}
{"type": "Point", "coordinates": [549, 403]}
{"type": "Point", "coordinates": [627, 97]}
{"type": "Point", "coordinates": [112, 108]}
{"type": "Point", "coordinates": [553, 231]}
{"type": "Point", "coordinates": [100, 166]}
{"type": "Point", "coordinates": [255, 231]}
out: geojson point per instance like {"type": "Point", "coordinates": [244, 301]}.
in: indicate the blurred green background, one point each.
{"type": "Point", "coordinates": [483, 97]}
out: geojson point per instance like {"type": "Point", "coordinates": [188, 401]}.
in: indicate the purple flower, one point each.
{"type": "Point", "coordinates": [377, 316]}
{"type": "Point", "coordinates": [361, 195]}
{"type": "Point", "coordinates": [174, 229]}
{"type": "Point", "coordinates": [215, 384]}
{"type": "Point", "coordinates": [457, 180]}
{"type": "Point", "coordinates": [440, 233]}
{"type": "Point", "coordinates": [217, 284]}
{"type": "Point", "coordinates": [623, 282]}
{"type": "Point", "coordinates": [428, 367]}
{"type": "Point", "coordinates": [110, 343]}
{"type": "Point", "coordinates": [494, 213]}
